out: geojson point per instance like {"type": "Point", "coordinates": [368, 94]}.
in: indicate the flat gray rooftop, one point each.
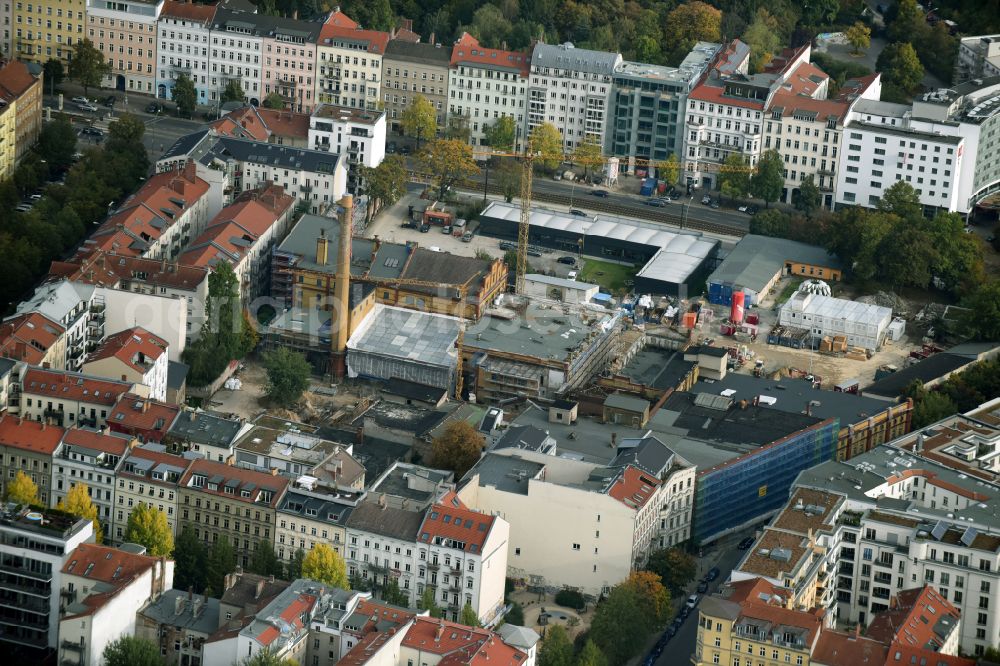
{"type": "Point", "coordinates": [657, 368]}
{"type": "Point", "coordinates": [542, 333]}
{"type": "Point", "coordinates": [508, 473]}
{"type": "Point", "coordinates": [756, 259]}
{"type": "Point", "coordinates": [407, 334]}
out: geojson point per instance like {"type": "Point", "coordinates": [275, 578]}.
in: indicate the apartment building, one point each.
{"type": "Point", "coordinates": [942, 144]}
{"type": "Point", "coordinates": [33, 338]}
{"type": "Point", "coordinates": [28, 446]}
{"type": "Point", "coordinates": [74, 307]}
{"type": "Point", "coordinates": [485, 85]}
{"type": "Point", "coordinates": [581, 524]}
{"type": "Point", "coordinates": [68, 399]}
{"type": "Point", "coordinates": [238, 504]}
{"type": "Point", "coordinates": [126, 33]}
{"type": "Point", "coordinates": [286, 128]}
{"type": "Point", "coordinates": [47, 29]}
{"type": "Point", "coordinates": [916, 511]}
{"type": "Point", "coordinates": [149, 475]}
{"type": "Point", "coordinates": [158, 220]}
{"type": "Point", "coordinates": [34, 548]}
{"type": "Point", "coordinates": [358, 134]}
{"type": "Point", "coordinates": [807, 133]}
{"type": "Point", "coordinates": [134, 355]}
{"type": "Point", "coordinates": [350, 63]}
{"type": "Point", "coordinates": [179, 623]}
{"type": "Point", "coordinates": [144, 419]}
{"type": "Point", "coordinates": [648, 105]}
{"type": "Point", "coordinates": [92, 457]}
{"type": "Point", "coordinates": [571, 89]}
{"type": "Point", "coordinates": [236, 43]}
{"type": "Point", "coordinates": [289, 51]}
{"type": "Point", "coordinates": [5, 18]}
{"type": "Point", "coordinates": [243, 234]}
{"type": "Point", "coordinates": [410, 69]}
{"type": "Point", "coordinates": [182, 39]}
{"type": "Point", "coordinates": [205, 433]}
{"type": "Point", "coordinates": [8, 137]}
{"type": "Point", "coordinates": [312, 513]}
{"type": "Point", "coordinates": [104, 588]}
{"type": "Point", "coordinates": [978, 58]}
{"type": "Point", "coordinates": [22, 92]}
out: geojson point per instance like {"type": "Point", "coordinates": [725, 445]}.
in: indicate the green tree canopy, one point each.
{"type": "Point", "coordinates": [469, 617]}
{"type": "Point", "coordinates": [547, 143]}
{"type": "Point", "coordinates": [264, 560]}
{"type": "Point", "coordinates": [185, 95]}
{"type": "Point", "coordinates": [808, 199]}
{"type": "Point", "coordinates": [448, 161]}
{"type": "Point", "coordinates": [132, 651]}
{"type": "Point", "coordinates": [87, 67]}
{"type": "Point", "coordinates": [274, 101]}
{"type": "Point", "coordinates": [54, 73]}
{"type": "Point", "coordinates": [294, 568]}
{"type": "Point", "coordinates": [901, 71]}
{"type": "Point", "coordinates": [734, 177]}
{"type": "Point", "coordinates": [189, 561]}
{"type": "Point", "coordinates": [221, 561]}
{"type": "Point", "coordinates": [675, 567]}
{"type": "Point", "coordinates": [428, 603]}
{"type": "Point", "coordinates": [419, 120]}
{"type": "Point", "coordinates": [588, 154]}
{"type": "Point", "coordinates": [670, 169]}
{"type": "Point", "coordinates": [57, 142]}
{"type": "Point", "coordinates": [501, 134]}
{"type": "Point", "coordinates": [557, 649]}
{"type": "Point", "coordinates": [267, 657]}
{"type": "Point", "coordinates": [763, 39]}
{"type": "Point", "coordinates": [233, 92]}
{"type": "Point", "coordinates": [859, 36]}
{"type": "Point", "coordinates": [767, 183]}
{"type": "Point", "coordinates": [902, 200]}
{"type": "Point", "coordinates": [457, 128]}
{"type": "Point", "coordinates": [982, 320]}
{"type": "Point", "coordinates": [621, 625]}
{"type": "Point", "coordinates": [591, 655]}
{"type": "Point", "coordinates": [148, 526]}
{"type": "Point", "coordinates": [325, 565]}
{"type": "Point", "coordinates": [688, 23]}
{"type": "Point", "coordinates": [384, 184]}
{"type": "Point", "coordinates": [288, 374]}
{"type": "Point", "coordinates": [458, 448]}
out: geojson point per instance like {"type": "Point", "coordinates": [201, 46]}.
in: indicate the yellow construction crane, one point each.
{"type": "Point", "coordinates": [717, 167]}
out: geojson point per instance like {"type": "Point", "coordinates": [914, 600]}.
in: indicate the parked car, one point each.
{"type": "Point", "coordinates": [692, 601]}
{"type": "Point", "coordinates": [405, 150]}
{"type": "Point", "coordinates": [685, 611]}
{"type": "Point", "coordinates": [86, 106]}
{"type": "Point", "coordinates": [749, 210]}
{"type": "Point", "coordinates": [599, 193]}
{"type": "Point", "coordinates": [80, 99]}
{"type": "Point", "coordinates": [467, 237]}
{"type": "Point", "coordinates": [557, 176]}
{"type": "Point", "coordinates": [424, 228]}
{"type": "Point", "coordinates": [409, 225]}
{"type": "Point", "coordinates": [446, 229]}
{"type": "Point", "coordinates": [715, 203]}
{"type": "Point", "coordinates": [571, 275]}
{"type": "Point", "coordinates": [656, 203]}
{"type": "Point", "coordinates": [110, 101]}
{"type": "Point", "coordinates": [712, 574]}
{"type": "Point", "coordinates": [23, 208]}
{"type": "Point", "coordinates": [578, 213]}
{"type": "Point", "coordinates": [435, 248]}
{"type": "Point", "coordinates": [154, 107]}
{"type": "Point", "coordinates": [571, 261]}
{"type": "Point", "coordinates": [390, 147]}
{"type": "Point", "coordinates": [91, 131]}
{"type": "Point", "coordinates": [702, 587]}
{"type": "Point", "coordinates": [706, 200]}
{"type": "Point", "coordinates": [671, 631]}
{"type": "Point", "coordinates": [746, 544]}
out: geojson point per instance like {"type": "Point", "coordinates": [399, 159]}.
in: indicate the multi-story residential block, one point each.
{"type": "Point", "coordinates": [286, 128]}
{"type": "Point", "coordinates": [234, 165]}
{"type": "Point", "coordinates": [350, 63]}
{"type": "Point", "coordinates": [577, 523]}
{"type": "Point", "coordinates": [145, 419]}
{"type": "Point", "coordinates": [69, 399]}
{"type": "Point", "coordinates": [70, 305]}
{"type": "Point", "coordinates": [571, 89]}
{"type": "Point", "coordinates": [725, 110]}
{"type": "Point", "coordinates": [5, 18]}
{"type": "Point", "coordinates": [34, 547]}
{"type": "Point", "coordinates": [206, 433]}
{"type": "Point", "coordinates": [356, 133]}
{"type": "Point", "coordinates": [807, 133]}
{"type": "Point", "coordinates": [159, 220]}
{"type": "Point", "coordinates": [918, 510]}
{"type": "Point", "coordinates": [34, 339]}
{"type": "Point", "coordinates": [312, 513]}
{"type": "Point", "coordinates": [236, 42]}
{"type": "Point", "coordinates": [91, 457]}
{"type": "Point", "coordinates": [902, 626]}
{"type": "Point", "coordinates": [245, 593]}
{"type": "Point", "coordinates": [8, 136]}
{"type": "Point", "coordinates": [23, 93]}
{"type": "Point", "coordinates": [105, 588]}
{"type": "Point", "coordinates": [149, 475]}
{"type": "Point", "coordinates": [486, 84]}
{"type": "Point", "coordinates": [134, 355]}
{"type": "Point", "coordinates": [126, 33]}
{"type": "Point", "coordinates": [28, 446]}
{"type": "Point", "coordinates": [179, 622]}
{"type": "Point", "coordinates": [182, 41]}
{"type": "Point", "coordinates": [238, 504]}
{"type": "Point", "coordinates": [648, 105]}
{"type": "Point", "coordinates": [941, 145]}
{"type": "Point", "coordinates": [410, 69]}
{"type": "Point", "coordinates": [289, 51]}
{"type": "Point", "coordinates": [978, 58]}
{"type": "Point", "coordinates": [47, 29]}
{"type": "Point", "coordinates": [243, 234]}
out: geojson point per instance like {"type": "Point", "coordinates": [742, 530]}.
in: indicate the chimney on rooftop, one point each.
{"type": "Point", "coordinates": [439, 632]}
{"type": "Point", "coordinates": [322, 248]}
{"type": "Point", "coordinates": [614, 440]}
{"type": "Point", "coordinates": [919, 446]}
{"type": "Point", "coordinates": [259, 589]}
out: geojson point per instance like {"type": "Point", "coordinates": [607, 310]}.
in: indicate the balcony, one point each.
{"type": "Point", "coordinates": [433, 566]}
{"type": "Point", "coordinates": [74, 645]}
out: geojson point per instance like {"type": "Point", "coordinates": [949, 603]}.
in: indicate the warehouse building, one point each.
{"type": "Point", "coordinates": [757, 263]}
{"type": "Point", "coordinates": [863, 324]}
{"type": "Point", "coordinates": [671, 261]}
{"type": "Point", "coordinates": [395, 343]}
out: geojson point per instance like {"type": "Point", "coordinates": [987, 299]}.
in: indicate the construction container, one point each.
{"type": "Point", "coordinates": [727, 328]}
{"type": "Point", "coordinates": [689, 320]}
{"type": "Point", "coordinates": [848, 386]}
{"type": "Point", "coordinates": [753, 318]}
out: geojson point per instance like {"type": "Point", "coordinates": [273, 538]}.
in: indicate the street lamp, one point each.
{"type": "Point", "coordinates": [687, 207]}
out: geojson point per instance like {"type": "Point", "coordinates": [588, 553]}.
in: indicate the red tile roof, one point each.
{"type": "Point", "coordinates": [756, 591]}
{"type": "Point", "coordinates": [28, 337]}
{"type": "Point", "coordinates": [157, 457]}
{"type": "Point", "coordinates": [823, 108]}
{"type": "Point", "coordinates": [114, 567]}
{"type": "Point", "coordinates": [912, 619]}
{"type": "Point", "coordinates": [93, 266]}
{"type": "Point", "coordinates": [188, 11]}
{"type": "Point", "coordinates": [286, 123]}
{"type": "Point", "coordinates": [116, 445]}
{"type": "Point", "coordinates": [468, 51]}
{"type": "Point", "coordinates": [30, 436]}
{"type": "Point", "coordinates": [451, 519]}
{"type": "Point", "coordinates": [458, 644]}
{"type": "Point", "coordinates": [296, 614]}
{"type": "Point", "coordinates": [714, 93]}
{"type": "Point", "coordinates": [15, 79]}
{"type": "Point", "coordinates": [246, 479]}
{"type": "Point", "coordinates": [805, 79]}
{"type": "Point", "coordinates": [235, 229]}
{"type": "Point", "coordinates": [64, 385]}
{"type": "Point", "coordinates": [141, 416]}
{"type": "Point", "coordinates": [852, 88]}
{"type": "Point", "coordinates": [633, 488]}
{"type": "Point", "coordinates": [908, 656]}
{"type": "Point", "coordinates": [835, 648]}
{"type": "Point", "coordinates": [338, 27]}
{"type": "Point", "coordinates": [381, 613]}
{"type": "Point", "coordinates": [130, 347]}
{"type": "Point", "coordinates": [243, 123]}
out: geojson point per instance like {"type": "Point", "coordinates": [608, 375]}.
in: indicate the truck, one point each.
{"type": "Point", "coordinates": [435, 214]}
{"type": "Point", "coordinates": [648, 187]}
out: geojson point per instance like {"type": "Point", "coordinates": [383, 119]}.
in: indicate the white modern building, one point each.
{"type": "Point", "coordinates": [485, 85]}
{"type": "Point", "coordinates": [69, 305]}
{"type": "Point", "coordinates": [579, 524]}
{"type": "Point", "coordinates": [571, 89]}
{"type": "Point", "coordinates": [864, 325]}
{"type": "Point", "coordinates": [34, 547]}
{"type": "Point", "coordinates": [355, 133]}
{"type": "Point", "coordinates": [182, 39]}
{"type": "Point", "coordinates": [978, 58]}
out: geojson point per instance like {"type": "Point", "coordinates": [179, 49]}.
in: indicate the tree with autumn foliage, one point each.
{"type": "Point", "coordinates": [78, 503]}
{"type": "Point", "coordinates": [447, 162]}
{"type": "Point", "coordinates": [633, 610]}
{"type": "Point", "coordinates": [458, 448]}
{"type": "Point", "coordinates": [22, 490]}
{"type": "Point", "coordinates": [689, 23]}
{"type": "Point", "coordinates": [547, 144]}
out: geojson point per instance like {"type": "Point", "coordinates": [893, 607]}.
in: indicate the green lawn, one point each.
{"type": "Point", "coordinates": [610, 276]}
{"type": "Point", "coordinates": [788, 290]}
